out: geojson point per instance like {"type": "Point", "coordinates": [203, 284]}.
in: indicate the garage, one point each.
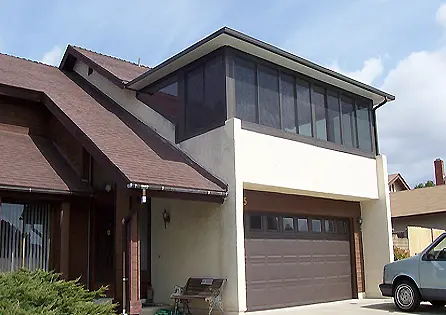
{"type": "Point", "coordinates": [293, 258]}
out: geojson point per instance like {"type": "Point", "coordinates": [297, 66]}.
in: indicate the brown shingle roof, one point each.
{"type": "Point", "coordinates": [122, 69]}
{"type": "Point", "coordinates": [418, 201]}
{"type": "Point", "coordinates": [154, 161]}
{"type": "Point", "coordinates": [33, 162]}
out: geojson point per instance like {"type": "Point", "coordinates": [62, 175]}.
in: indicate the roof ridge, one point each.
{"type": "Point", "coordinates": [113, 57]}
{"type": "Point", "coordinates": [29, 60]}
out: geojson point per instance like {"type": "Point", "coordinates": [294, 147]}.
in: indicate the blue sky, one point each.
{"type": "Point", "coordinates": [397, 45]}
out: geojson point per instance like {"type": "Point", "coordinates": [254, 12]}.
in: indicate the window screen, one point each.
{"type": "Point", "coordinates": [303, 108]}
{"type": "Point", "coordinates": [269, 97]}
{"type": "Point", "coordinates": [318, 100]}
{"type": "Point", "coordinates": [245, 90]}
{"type": "Point", "coordinates": [288, 103]}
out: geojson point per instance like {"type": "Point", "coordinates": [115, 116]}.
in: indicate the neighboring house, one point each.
{"type": "Point", "coordinates": [397, 183]}
{"type": "Point", "coordinates": [266, 164]}
{"type": "Point", "coordinates": [423, 207]}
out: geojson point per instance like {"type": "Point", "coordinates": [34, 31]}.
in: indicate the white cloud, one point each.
{"type": "Point", "coordinates": [411, 128]}
{"type": "Point", "coordinates": [370, 71]}
{"type": "Point", "coordinates": [440, 17]}
{"type": "Point", "coordinates": [53, 56]}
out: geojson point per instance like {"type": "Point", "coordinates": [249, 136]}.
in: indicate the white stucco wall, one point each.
{"type": "Point", "coordinates": [377, 232]}
{"type": "Point", "coordinates": [295, 167]}
{"type": "Point", "coordinates": [127, 99]}
{"type": "Point", "coordinates": [215, 150]}
{"type": "Point", "coordinates": [189, 246]}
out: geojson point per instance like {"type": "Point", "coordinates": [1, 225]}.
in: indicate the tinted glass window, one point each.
{"type": "Point", "coordinates": [318, 100]}
{"type": "Point", "coordinates": [214, 108]}
{"type": "Point", "coordinates": [288, 224]}
{"type": "Point", "coordinates": [272, 223]}
{"type": "Point", "coordinates": [269, 97]}
{"type": "Point", "coordinates": [303, 108]}
{"type": "Point", "coordinates": [363, 121]}
{"type": "Point", "coordinates": [245, 90]}
{"type": "Point", "coordinates": [348, 122]}
{"type": "Point", "coordinates": [194, 100]}
{"type": "Point", "coordinates": [255, 222]}
{"type": "Point", "coordinates": [171, 89]}
{"type": "Point", "coordinates": [333, 117]}
{"type": "Point", "coordinates": [302, 225]}
{"type": "Point", "coordinates": [329, 226]}
{"type": "Point", "coordinates": [316, 225]}
{"type": "Point", "coordinates": [288, 103]}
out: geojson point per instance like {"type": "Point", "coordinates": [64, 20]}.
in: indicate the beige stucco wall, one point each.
{"type": "Point", "coordinates": [127, 99]}
{"type": "Point", "coordinates": [305, 169]}
{"type": "Point", "coordinates": [215, 151]}
{"type": "Point", "coordinates": [189, 246]}
{"type": "Point", "coordinates": [377, 232]}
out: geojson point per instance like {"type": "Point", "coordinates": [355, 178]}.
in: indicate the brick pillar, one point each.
{"type": "Point", "coordinates": [135, 266]}
{"type": "Point", "coordinates": [65, 240]}
{"type": "Point", "coordinates": [122, 209]}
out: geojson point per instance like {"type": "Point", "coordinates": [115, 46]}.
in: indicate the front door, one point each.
{"type": "Point", "coordinates": [104, 247]}
{"type": "Point", "coordinates": [433, 271]}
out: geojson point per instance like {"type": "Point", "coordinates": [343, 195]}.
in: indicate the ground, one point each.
{"type": "Point", "coordinates": [362, 307]}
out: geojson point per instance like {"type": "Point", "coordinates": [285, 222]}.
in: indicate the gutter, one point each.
{"type": "Point", "coordinates": [223, 194]}
{"type": "Point", "coordinates": [43, 190]}
{"type": "Point", "coordinates": [386, 99]}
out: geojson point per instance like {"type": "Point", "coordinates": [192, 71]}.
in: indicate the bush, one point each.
{"type": "Point", "coordinates": [44, 293]}
{"type": "Point", "coordinates": [399, 253]}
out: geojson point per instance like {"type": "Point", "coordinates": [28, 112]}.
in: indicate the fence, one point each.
{"type": "Point", "coordinates": [415, 239]}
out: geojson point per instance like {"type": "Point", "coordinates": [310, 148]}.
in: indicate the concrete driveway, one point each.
{"type": "Point", "coordinates": [359, 307]}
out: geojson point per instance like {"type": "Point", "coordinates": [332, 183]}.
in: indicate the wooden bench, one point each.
{"type": "Point", "coordinates": [208, 289]}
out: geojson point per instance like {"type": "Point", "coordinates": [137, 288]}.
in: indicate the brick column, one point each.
{"type": "Point", "coordinates": [65, 240]}
{"type": "Point", "coordinates": [135, 266]}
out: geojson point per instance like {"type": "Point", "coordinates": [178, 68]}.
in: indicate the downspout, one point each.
{"type": "Point", "coordinates": [124, 222]}
{"type": "Point", "coordinates": [376, 123]}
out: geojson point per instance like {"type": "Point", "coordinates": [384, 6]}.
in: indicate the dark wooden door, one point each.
{"type": "Point", "coordinates": [104, 246]}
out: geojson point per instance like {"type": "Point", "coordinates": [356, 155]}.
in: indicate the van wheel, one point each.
{"type": "Point", "coordinates": [406, 296]}
{"type": "Point", "coordinates": [438, 303]}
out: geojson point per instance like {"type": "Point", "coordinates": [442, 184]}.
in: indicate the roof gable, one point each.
{"type": "Point", "coordinates": [103, 133]}
{"type": "Point", "coordinates": [393, 178]}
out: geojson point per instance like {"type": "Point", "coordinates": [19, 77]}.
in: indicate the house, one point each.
{"type": "Point", "coordinates": [424, 207]}
{"type": "Point", "coordinates": [231, 159]}
{"type": "Point", "coordinates": [397, 183]}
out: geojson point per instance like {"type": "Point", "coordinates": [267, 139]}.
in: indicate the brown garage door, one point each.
{"type": "Point", "coordinates": [293, 260]}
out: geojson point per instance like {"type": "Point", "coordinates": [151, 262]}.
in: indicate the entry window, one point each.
{"type": "Point", "coordinates": [272, 223]}
{"type": "Point", "coordinates": [316, 225]}
{"type": "Point", "coordinates": [330, 226]}
{"type": "Point", "coordinates": [288, 224]}
{"type": "Point", "coordinates": [255, 223]}
{"type": "Point", "coordinates": [342, 227]}
{"type": "Point", "coordinates": [302, 225]}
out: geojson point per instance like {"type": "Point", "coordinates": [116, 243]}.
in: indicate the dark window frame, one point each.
{"type": "Point", "coordinates": [234, 54]}
{"type": "Point", "coordinates": [296, 233]}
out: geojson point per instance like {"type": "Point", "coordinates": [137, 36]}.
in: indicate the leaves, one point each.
{"type": "Point", "coordinates": [399, 253]}
{"type": "Point", "coordinates": [429, 183]}
{"type": "Point", "coordinates": [43, 293]}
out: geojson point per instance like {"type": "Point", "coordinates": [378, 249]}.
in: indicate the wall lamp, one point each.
{"type": "Point", "coordinates": [166, 218]}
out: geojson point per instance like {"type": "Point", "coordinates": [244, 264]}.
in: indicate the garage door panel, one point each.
{"type": "Point", "coordinates": [290, 272]}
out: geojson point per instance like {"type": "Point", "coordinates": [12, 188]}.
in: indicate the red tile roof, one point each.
{"type": "Point", "coordinates": [150, 161]}
{"type": "Point", "coordinates": [33, 162]}
{"type": "Point", "coordinates": [122, 69]}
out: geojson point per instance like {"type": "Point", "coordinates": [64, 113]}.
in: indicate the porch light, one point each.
{"type": "Point", "coordinates": [166, 218]}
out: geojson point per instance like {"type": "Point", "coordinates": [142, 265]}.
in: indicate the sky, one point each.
{"type": "Point", "coordinates": [395, 45]}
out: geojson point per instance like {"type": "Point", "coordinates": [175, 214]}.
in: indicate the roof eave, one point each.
{"type": "Point", "coordinates": [138, 83]}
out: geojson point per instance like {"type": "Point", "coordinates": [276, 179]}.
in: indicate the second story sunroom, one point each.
{"type": "Point", "coordinates": [229, 75]}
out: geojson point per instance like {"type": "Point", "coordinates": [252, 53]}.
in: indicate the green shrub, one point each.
{"type": "Point", "coordinates": [399, 253]}
{"type": "Point", "coordinates": [44, 293]}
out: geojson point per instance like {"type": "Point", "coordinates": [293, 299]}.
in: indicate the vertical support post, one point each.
{"type": "Point", "coordinates": [65, 239]}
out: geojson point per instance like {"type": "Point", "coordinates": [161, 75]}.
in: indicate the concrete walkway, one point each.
{"type": "Point", "coordinates": [360, 307]}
